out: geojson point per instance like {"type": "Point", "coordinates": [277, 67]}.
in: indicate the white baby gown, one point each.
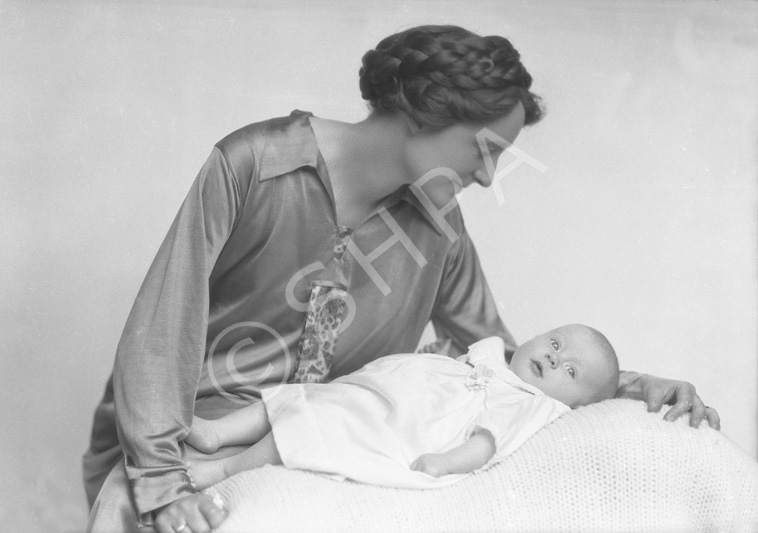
{"type": "Point", "coordinates": [369, 426]}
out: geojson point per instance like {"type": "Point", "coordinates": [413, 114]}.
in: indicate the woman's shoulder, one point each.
{"type": "Point", "coordinates": [271, 147]}
{"type": "Point", "coordinates": [256, 132]}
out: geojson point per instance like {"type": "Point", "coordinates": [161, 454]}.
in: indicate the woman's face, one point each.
{"type": "Point", "coordinates": [437, 159]}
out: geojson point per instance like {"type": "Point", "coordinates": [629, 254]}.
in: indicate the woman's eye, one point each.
{"type": "Point", "coordinates": [554, 344]}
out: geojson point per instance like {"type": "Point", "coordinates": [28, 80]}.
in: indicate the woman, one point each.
{"type": "Point", "coordinates": [307, 248]}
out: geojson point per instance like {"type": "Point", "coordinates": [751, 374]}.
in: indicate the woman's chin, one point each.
{"type": "Point", "coordinates": [440, 192]}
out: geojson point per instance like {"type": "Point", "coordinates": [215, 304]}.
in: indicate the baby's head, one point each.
{"type": "Point", "coordinates": [574, 364]}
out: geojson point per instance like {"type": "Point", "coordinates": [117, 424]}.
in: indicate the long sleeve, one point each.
{"type": "Point", "coordinates": [465, 310]}
{"type": "Point", "coordinates": [161, 351]}
{"type": "Point", "coordinates": [511, 421]}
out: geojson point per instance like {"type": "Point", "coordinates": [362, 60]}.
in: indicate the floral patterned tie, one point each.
{"type": "Point", "coordinates": [327, 307]}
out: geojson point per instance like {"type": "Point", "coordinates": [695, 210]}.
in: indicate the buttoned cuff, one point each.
{"type": "Point", "coordinates": [151, 493]}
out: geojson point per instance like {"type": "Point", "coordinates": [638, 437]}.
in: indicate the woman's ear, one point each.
{"type": "Point", "coordinates": [414, 127]}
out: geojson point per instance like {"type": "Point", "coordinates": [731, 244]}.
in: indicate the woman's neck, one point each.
{"type": "Point", "coordinates": [366, 162]}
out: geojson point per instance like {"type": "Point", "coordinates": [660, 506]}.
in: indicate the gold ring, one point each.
{"type": "Point", "coordinates": [180, 528]}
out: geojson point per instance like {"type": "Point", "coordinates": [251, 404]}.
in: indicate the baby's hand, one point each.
{"type": "Point", "coordinates": [433, 464]}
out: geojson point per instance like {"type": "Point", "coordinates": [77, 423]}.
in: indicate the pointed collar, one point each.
{"type": "Point", "coordinates": [291, 144]}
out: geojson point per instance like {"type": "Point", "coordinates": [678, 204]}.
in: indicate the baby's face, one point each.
{"type": "Point", "coordinates": [568, 364]}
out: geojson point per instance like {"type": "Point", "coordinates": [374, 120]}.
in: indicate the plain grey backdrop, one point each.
{"type": "Point", "coordinates": [643, 223]}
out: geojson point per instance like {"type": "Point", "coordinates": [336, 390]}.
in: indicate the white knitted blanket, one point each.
{"type": "Point", "coordinates": [608, 467]}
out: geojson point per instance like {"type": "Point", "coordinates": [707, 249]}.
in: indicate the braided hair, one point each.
{"type": "Point", "coordinates": [440, 75]}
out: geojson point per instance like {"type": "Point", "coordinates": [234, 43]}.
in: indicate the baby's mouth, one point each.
{"type": "Point", "coordinates": [537, 368]}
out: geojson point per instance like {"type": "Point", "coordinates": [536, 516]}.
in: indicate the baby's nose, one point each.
{"type": "Point", "coordinates": [552, 361]}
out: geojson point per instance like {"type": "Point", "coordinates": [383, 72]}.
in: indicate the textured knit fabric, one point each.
{"type": "Point", "coordinates": [371, 425]}
{"type": "Point", "coordinates": [606, 468]}
{"type": "Point", "coordinates": [222, 308]}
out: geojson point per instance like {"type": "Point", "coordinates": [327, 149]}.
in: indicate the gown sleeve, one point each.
{"type": "Point", "coordinates": [512, 421]}
{"type": "Point", "coordinates": [160, 354]}
{"type": "Point", "coordinates": [465, 310]}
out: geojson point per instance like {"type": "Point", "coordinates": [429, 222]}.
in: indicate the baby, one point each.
{"type": "Point", "coordinates": [415, 420]}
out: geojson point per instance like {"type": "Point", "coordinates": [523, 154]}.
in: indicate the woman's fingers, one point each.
{"type": "Point", "coordinates": [196, 521]}
{"type": "Point", "coordinates": [683, 398]}
{"type": "Point", "coordinates": [204, 515]}
{"type": "Point", "coordinates": [688, 401]}
{"type": "Point", "coordinates": [713, 418]}
{"type": "Point", "coordinates": [697, 413]}
{"type": "Point", "coordinates": [213, 514]}
{"type": "Point", "coordinates": [192, 514]}
{"type": "Point", "coordinates": [682, 395]}
{"type": "Point", "coordinates": [170, 521]}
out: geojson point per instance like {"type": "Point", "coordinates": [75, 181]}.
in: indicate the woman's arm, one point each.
{"type": "Point", "coordinates": [472, 454]}
{"type": "Point", "coordinates": [465, 311]}
{"type": "Point", "coordinates": [657, 391]}
{"type": "Point", "coordinates": [160, 355]}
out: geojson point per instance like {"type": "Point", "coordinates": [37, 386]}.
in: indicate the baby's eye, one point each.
{"type": "Point", "coordinates": [571, 372]}
{"type": "Point", "coordinates": [554, 344]}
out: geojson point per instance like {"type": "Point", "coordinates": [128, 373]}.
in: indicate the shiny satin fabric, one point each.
{"type": "Point", "coordinates": [222, 307]}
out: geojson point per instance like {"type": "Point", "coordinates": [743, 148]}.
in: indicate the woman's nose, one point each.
{"type": "Point", "coordinates": [551, 359]}
{"type": "Point", "coordinates": [483, 177]}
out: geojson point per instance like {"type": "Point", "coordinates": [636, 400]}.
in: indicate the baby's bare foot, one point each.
{"type": "Point", "coordinates": [203, 435]}
{"type": "Point", "coordinates": [206, 473]}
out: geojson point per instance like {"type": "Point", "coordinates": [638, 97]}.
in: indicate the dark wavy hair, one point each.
{"type": "Point", "coordinates": [440, 75]}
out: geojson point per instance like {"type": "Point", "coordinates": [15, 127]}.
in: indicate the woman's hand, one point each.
{"type": "Point", "coordinates": [657, 391]}
{"type": "Point", "coordinates": [192, 514]}
{"type": "Point", "coordinates": [433, 464]}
